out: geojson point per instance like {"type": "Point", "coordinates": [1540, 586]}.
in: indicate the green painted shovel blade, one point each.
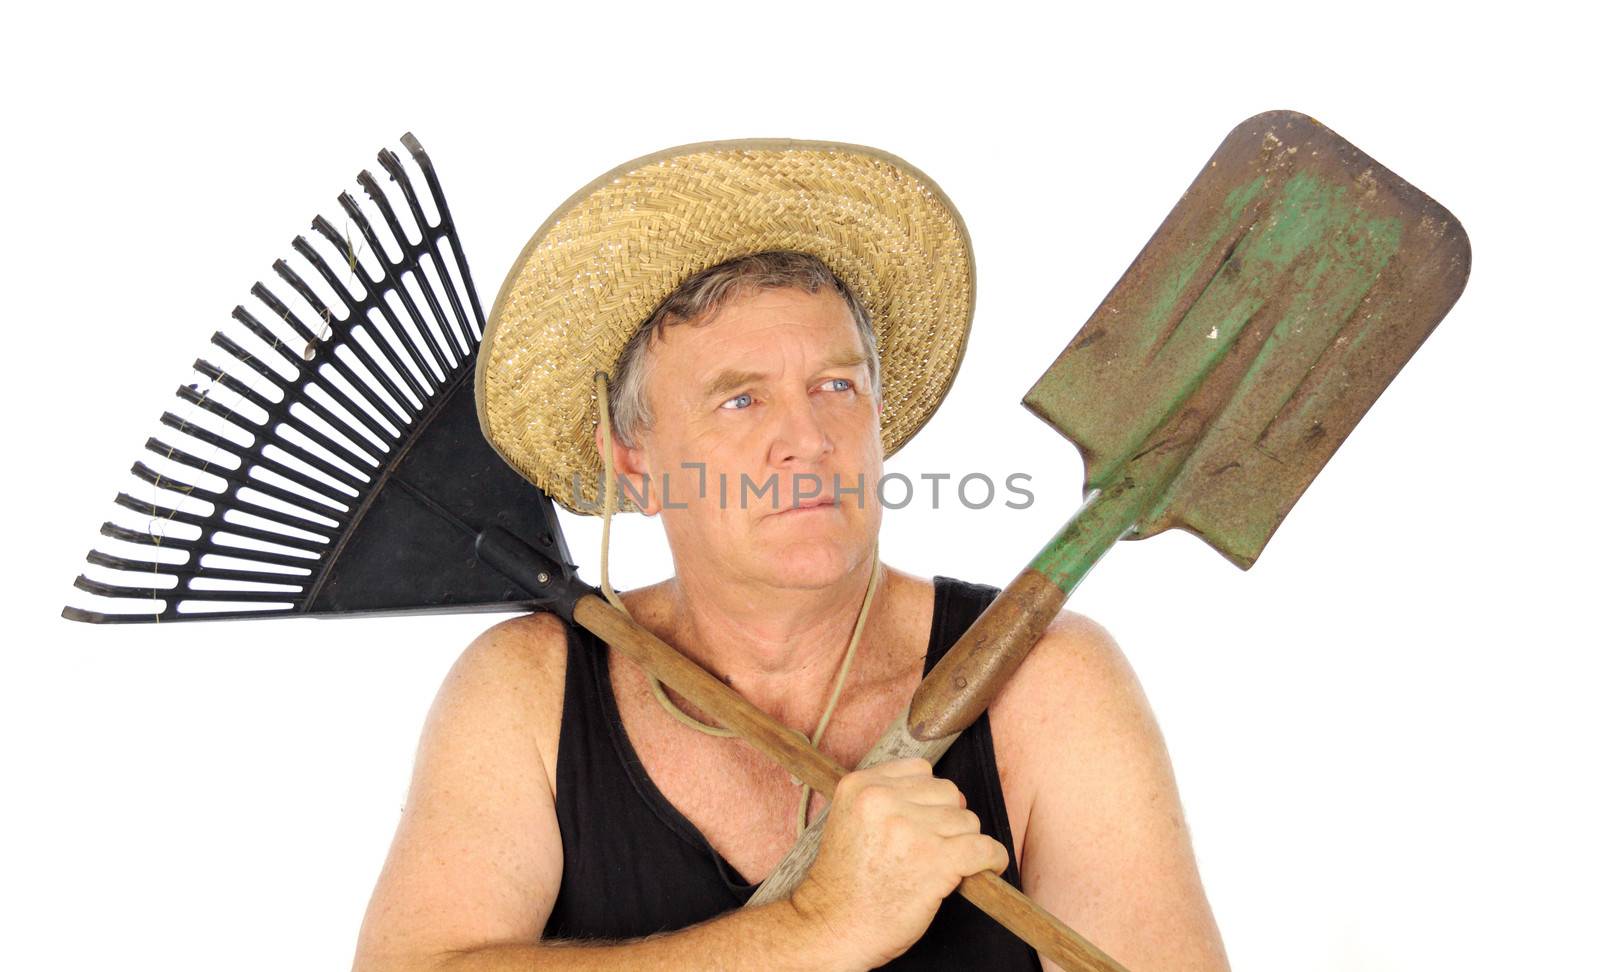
{"type": "Point", "coordinates": [1282, 294]}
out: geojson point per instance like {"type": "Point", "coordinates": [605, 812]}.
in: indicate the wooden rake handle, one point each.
{"type": "Point", "coordinates": [791, 750]}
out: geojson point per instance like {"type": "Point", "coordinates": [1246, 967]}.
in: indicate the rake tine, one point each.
{"type": "Point", "coordinates": [397, 412]}
{"type": "Point", "coordinates": [270, 536]}
{"type": "Point", "coordinates": [343, 331]}
{"type": "Point", "coordinates": [235, 477]}
{"type": "Point", "coordinates": [206, 402]}
{"type": "Point", "coordinates": [170, 614]}
{"type": "Point", "coordinates": [160, 481]}
{"type": "Point", "coordinates": [234, 385]}
{"type": "Point", "coordinates": [355, 422]}
{"type": "Point", "coordinates": [260, 292]}
{"type": "Point", "coordinates": [443, 361]}
{"type": "Point", "coordinates": [239, 477]}
{"type": "Point", "coordinates": [242, 355]}
{"type": "Point", "coordinates": [102, 589]}
{"type": "Point", "coordinates": [194, 396]}
{"type": "Point", "coordinates": [446, 227]}
{"type": "Point", "coordinates": [409, 261]}
{"type": "Point", "coordinates": [406, 349]}
{"type": "Point", "coordinates": [332, 511]}
{"type": "Point", "coordinates": [211, 438]}
{"type": "Point", "coordinates": [156, 511]}
{"type": "Point", "coordinates": [273, 409]}
{"type": "Point", "coordinates": [147, 508]}
{"type": "Point", "coordinates": [370, 403]}
{"type": "Point", "coordinates": [189, 570]}
{"type": "Point", "coordinates": [455, 326]}
{"type": "Point", "coordinates": [200, 432]}
{"type": "Point", "coordinates": [298, 502]}
{"type": "Point", "coordinates": [189, 394]}
{"type": "Point", "coordinates": [117, 532]}
{"type": "Point", "coordinates": [265, 335]}
{"type": "Point", "coordinates": [255, 533]}
{"type": "Point", "coordinates": [363, 421]}
{"type": "Point", "coordinates": [395, 353]}
{"type": "Point", "coordinates": [237, 480]}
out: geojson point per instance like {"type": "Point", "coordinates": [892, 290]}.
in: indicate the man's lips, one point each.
{"type": "Point", "coordinates": [806, 506]}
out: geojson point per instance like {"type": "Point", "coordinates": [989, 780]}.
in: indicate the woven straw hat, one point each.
{"type": "Point", "coordinates": [600, 265]}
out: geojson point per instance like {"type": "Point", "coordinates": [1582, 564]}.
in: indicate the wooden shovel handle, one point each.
{"type": "Point", "coordinates": [1031, 923]}
{"type": "Point", "coordinates": [987, 890]}
{"type": "Point", "coordinates": [979, 664]}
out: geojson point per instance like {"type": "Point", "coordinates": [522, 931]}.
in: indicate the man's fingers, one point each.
{"type": "Point", "coordinates": [914, 781]}
{"type": "Point", "coordinates": [900, 768]}
{"type": "Point", "coordinates": [945, 821]}
{"type": "Point", "coordinates": [980, 852]}
{"type": "Point", "coordinates": [932, 792]}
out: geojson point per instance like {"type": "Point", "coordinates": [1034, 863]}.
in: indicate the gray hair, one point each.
{"type": "Point", "coordinates": [698, 298]}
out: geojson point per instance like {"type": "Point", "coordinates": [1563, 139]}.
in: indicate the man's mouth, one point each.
{"type": "Point", "coordinates": [806, 505]}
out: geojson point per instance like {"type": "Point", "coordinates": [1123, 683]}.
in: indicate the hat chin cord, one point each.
{"type": "Point", "coordinates": [656, 688]}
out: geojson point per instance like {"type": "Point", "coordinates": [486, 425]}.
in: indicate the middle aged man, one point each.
{"type": "Point", "coordinates": [804, 308]}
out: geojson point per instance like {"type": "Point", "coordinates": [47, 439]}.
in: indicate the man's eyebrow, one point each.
{"type": "Point", "coordinates": [728, 381]}
{"type": "Point", "coordinates": [843, 359]}
{"type": "Point", "coordinates": [725, 382]}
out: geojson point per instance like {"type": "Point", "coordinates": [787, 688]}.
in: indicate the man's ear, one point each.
{"type": "Point", "coordinates": [634, 481]}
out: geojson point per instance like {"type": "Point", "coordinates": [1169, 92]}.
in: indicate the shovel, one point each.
{"type": "Point", "coordinates": [1282, 294]}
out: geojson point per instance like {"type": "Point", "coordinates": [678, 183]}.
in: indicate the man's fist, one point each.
{"type": "Point", "coordinates": [898, 840]}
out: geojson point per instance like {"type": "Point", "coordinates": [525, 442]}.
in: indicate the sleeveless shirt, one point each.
{"type": "Point", "coordinates": [635, 866]}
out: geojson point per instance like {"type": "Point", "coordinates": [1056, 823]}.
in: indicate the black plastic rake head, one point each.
{"type": "Point", "coordinates": [333, 463]}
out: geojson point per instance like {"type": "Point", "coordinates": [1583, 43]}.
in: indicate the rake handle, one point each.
{"type": "Point", "coordinates": [730, 709]}
{"type": "Point", "coordinates": [987, 890]}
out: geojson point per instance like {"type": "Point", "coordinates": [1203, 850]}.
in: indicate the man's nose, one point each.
{"type": "Point", "coordinates": [800, 436]}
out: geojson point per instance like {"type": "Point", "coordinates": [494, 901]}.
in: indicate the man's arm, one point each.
{"type": "Point", "coordinates": [475, 865]}
{"type": "Point", "coordinates": [476, 862]}
{"type": "Point", "coordinates": [1106, 848]}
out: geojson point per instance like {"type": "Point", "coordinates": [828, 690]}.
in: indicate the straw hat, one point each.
{"type": "Point", "coordinates": [601, 264]}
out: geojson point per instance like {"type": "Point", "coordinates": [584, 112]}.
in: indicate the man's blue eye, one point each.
{"type": "Point", "coordinates": [745, 398]}
{"type": "Point", "coordinates": [840, 381]}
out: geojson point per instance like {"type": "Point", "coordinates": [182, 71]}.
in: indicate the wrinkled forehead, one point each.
{"type": "Point", "coordinates": [767, 334]}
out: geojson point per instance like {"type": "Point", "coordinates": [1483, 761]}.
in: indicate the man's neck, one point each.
{"type": "Point", "coordinates": [779, 647]}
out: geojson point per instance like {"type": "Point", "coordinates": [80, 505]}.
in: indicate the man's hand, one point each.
{"type": "Point", "coordinates": [898, 840]}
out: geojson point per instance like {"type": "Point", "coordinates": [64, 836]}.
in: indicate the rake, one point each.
{"type": "Point", "coordinates": [346, 474]}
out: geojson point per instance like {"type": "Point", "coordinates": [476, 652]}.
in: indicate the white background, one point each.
{"type": "Point", "coordinates": [1383, 733]}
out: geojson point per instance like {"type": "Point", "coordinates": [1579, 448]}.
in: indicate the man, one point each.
{"type": "Point", "coordinates": [808, 308]}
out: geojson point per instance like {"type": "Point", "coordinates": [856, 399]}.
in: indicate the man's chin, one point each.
{"type": "Point", "coordinates": [810, 563]}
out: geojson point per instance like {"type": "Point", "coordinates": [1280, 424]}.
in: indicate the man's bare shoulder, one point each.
{"type": "Point", "coordinates": [513, 672]}
{"type": "Point", "coordinates": [1073, 690]}
{"type": "Point", "coordinates": [1076, 663]}
{"type": "Point", "coordinates": [529, 643]}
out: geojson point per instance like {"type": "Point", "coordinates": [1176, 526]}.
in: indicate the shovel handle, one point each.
{"type": "Point", "coordinates": [978, 665]}
{"type": "Point", "coordinates": [987, 890]}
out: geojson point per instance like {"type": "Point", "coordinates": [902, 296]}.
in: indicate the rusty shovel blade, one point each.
{"type": "Point", "coordinates": [1283, 293]}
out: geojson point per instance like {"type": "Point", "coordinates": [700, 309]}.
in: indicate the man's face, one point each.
{"type": "Point", "coordinates": [773, 396]}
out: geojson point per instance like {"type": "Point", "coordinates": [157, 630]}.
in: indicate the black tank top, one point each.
{"type": "Point", "coordinates": [635, 866]}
